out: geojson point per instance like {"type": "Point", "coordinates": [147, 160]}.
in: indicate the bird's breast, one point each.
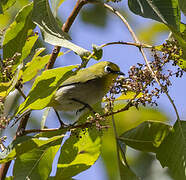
{"type": "Point", "coordinates": [89, 92]}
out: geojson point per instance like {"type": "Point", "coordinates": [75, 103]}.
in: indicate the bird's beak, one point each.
{"type": "Point", "coordinates": [119, 73]}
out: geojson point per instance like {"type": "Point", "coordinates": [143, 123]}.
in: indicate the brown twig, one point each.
{"type": "Point", "coordinates": [68, 128]}
{"type": "Point", "coordinates": [84, 125]}
{"type": "Point", "coordinates": [65, 28]}
{"type": "Point", "coordinates": [127, 43]}
{"type": "Point", "coordinates": [4, 169]}
{"type": "Point", "coordinates": [20, 91]}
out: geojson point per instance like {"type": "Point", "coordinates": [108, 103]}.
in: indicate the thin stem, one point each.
{"type": "Point", "coordinates": [145, 58]}
{"type": "Point", "coordinates": [123, 155]}
{"type": "Point", "coordinates": [81, 126]}
{"type": "Point", "coordinates": [21, 92]}
{"type": "Point", "coordinates": [39, 130]}
{"type": "Point", "coordinates": [125, 108]}
{"type": "Point", "coordinates": [127, 43]}
{"type": "Point", "coordinates": [123, 19]}
{"type": "Point", "coordinates": [68, 128]}
{"type": "Point", "coordinates": [116, 137]}
{"type": "Point", "coordinates": [118, 42]}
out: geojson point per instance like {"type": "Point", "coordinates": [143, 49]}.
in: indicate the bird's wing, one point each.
{"type": "Point", "coordinates": [81, 76]}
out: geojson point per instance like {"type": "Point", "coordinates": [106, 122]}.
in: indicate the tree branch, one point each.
{"type": "Point", "coordinates": [65, 28]}
{"type": "Point", "coordinates": [127, 43]}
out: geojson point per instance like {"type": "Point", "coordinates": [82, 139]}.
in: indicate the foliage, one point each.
{"type": "Point", "coordinates": [122, 119]}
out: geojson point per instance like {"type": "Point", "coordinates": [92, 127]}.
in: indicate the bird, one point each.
{"type": "Point", "coordinates": [86, 87]}
{"type": "Point", "coordinates": [83, 89]}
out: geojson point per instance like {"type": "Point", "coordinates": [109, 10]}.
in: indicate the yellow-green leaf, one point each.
{"type": "Point", "coordinates": [44, 88]}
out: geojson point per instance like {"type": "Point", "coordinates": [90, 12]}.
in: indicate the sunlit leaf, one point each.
{"type": "Point", "coordinates": [26, 50]}
{"type": "Point", "coordinates": [182, 63]}
{"type": "Point", "coordinates": [55, 5]}
{"type": "Point", "coordinates": [128, 95]}
{"type": "Point", "coordinates": [78, 153]}
{"type": "Point", "coordinates": [9, 178]}
{"type": "Point", "coordinates": [155, 29]}
{"type": "Point", "coordinates": [37, 163]}
{"type": "Point", "coordinates": [44, 88]}
{"type": "Point", "coordinates": [131, 118]}
{"type": "Point", "coordinates": [43, 17]}
{"type": "Point", "coordinates": [6, 4]}
{"type": "Point", "coordinates": [35, 65]}
{"type": "Point", "coordinates": [16, 34]}
{"type": "Point", "coordinates": [4, 88]}
{"type": "Point", "coordinates": [25, 144]}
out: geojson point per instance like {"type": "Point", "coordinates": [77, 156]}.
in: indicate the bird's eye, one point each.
{"type": "Point", "coordinates": [108, 69]}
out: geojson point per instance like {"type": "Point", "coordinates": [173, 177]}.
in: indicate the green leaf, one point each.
{"type": "Point", "coordinates": [35, 65]}
{"type": "Point", "coordinates": [44, 88]}
{"type": "Point", "coordinates": [125, 171]}
{"type": "Point", "coordinates": [95, 15]}
{"type": "Point", "coordinates": [166, 11]}
{"type": "Point", "coordinates": [128, 95]}
{"type": "Point", "coordinates": [78, 153]}
{"type": "Point", "coordinates": [109, 154]}
{"type": "Point", "coordinates": [182, 4]}
{"type": "Point", "coordinates": [6, 4]}
{"type": "Point", "coordinates": [51, 134]}
{"type": "Point", "coordinates": [16, 34]}
{"type": "Point", "coordinates": [43, 17]}
{"type": "Point", "coordinates": [134, 117]}
{"type": "Point", "coordinates": [147, 136]}
{"type": "Point", "coordinates": [156, 29]}
{"type": "Point", "coordinates": [9, 178]}
{"type": "Point", "coordinates": [98, 52]}
{"type": "Point", "coordinates": [171, 152]}
{"type": "Point", "coordinates": [55, 5]}
{"type": "Point", "coordinates": [25, 144]}
{"type": "Point", "coordinates": [30, 41]}
{"type": "Point", "coordinates": [36, 164]}
{"type": "Point", "coordinates": [13, 148]}
{"type": "Point", "coordinates": [124, 121]}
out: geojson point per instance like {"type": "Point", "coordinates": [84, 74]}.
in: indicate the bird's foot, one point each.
{"type": "Point", "coordinates": [85, 106]}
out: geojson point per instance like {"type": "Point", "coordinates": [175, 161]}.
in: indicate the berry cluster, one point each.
{"type": "Point", "coordinates": [141, 81]}
{"type": "Point", "coordinates": [6, 67]}
{"type": "Point", "coordinates": [4, 121]}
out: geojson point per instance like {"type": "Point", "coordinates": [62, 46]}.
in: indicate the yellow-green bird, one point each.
{"type": "Point", "coordinates": [83, 89]}
{"type": "Point", "coordinates": [86, 87]}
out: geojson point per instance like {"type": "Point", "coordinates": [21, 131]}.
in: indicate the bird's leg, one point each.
{"type": "Point", "coordinates": [85, 106]}
{"type": "Point", "coordinates": [60, 121]}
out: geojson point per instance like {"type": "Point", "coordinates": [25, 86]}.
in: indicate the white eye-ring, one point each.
{"type": "Point", "coordinates": [108, 69]}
